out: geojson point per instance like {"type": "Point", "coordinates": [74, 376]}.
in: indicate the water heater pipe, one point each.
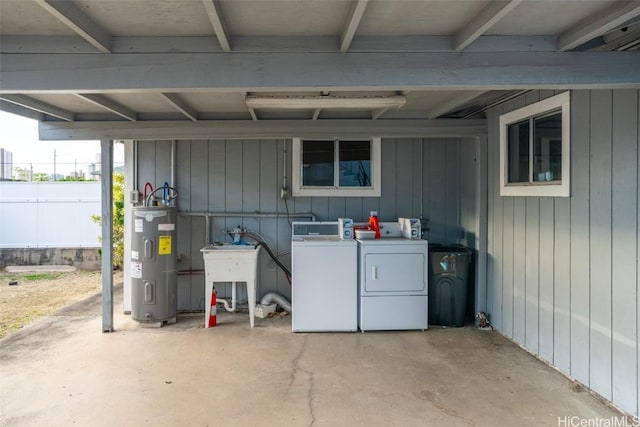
{"type": "Point", "coordinates": [173, 163]}
{"type": "Point", "coordinates": [231, 308]}
{"type": "Point", "coordinates": [135, 164]}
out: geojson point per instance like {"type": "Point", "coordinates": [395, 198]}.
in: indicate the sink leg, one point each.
{"type": "Point", "coordinates": [207, 303]}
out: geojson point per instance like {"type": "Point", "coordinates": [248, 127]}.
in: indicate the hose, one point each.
{"type": "Point", "coordinates": [144, 193]}
{"type": "Point", "coordinates": [276, 260]}
{"type": "Point", "coordinates": [270, 297]}
{"type": "Point", "coordinates": [171, 193]}
{"type": "Point", "coordinates": [261, 242]}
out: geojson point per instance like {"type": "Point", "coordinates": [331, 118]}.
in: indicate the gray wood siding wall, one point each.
{"type": "Point", "coordinates": [432, 178]}
{"type": "Point", "coordinates": [563, 272]}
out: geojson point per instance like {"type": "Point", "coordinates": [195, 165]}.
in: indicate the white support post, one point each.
{"type": "Point", "coordinates": [106, 179]}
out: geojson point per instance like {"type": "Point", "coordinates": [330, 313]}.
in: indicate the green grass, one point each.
{"type": "Point", "coordinates": [33, 276]}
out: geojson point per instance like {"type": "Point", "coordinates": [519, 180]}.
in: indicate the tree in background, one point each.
{"type": "Point", "coordinates": [118, 219]}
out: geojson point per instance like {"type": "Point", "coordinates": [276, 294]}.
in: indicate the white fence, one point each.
{"type": "Point", "coordinates": [49, 214]}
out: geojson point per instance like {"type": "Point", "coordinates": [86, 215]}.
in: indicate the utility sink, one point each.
{"type": "Point", "coordinates": [227, 247]}
{"type": "Point", "coordinates": [231, 263]}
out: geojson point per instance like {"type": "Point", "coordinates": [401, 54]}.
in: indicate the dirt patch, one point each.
{"type": "Point", "coordinates": [41, 294]}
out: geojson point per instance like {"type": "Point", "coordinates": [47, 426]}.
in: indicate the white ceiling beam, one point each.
{"type": "Point", "coordinates": [453, 103]}
{"type": "Point", "coordinates": [598, 24]}
{"type": "Point", "coordinates": [215, 17]}
{"type": "Point", "coordinates": [250, 129]}
{"type": "Point", "coordinates": [324, 102]}
{"type": "Point", "coordinates": [19, 110]}
{"type": "Point", "coordinates": [69, 14]}
{"type": "Point", "coordinates": [270, 44]}
{"type": "Point", "coordinates": [176, 102]}
{"type": "Point", "coordinates": [357, 10]}
{"type": "Point", "coordinates": [487, 18]}
{"type": "Point", "coordinates": [39, 106]}
{"type": "Point", "coordinates": [176, 72]}
{"type": "Point", "coordinates": [107, 104]}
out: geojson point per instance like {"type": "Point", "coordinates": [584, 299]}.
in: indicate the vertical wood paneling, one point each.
{"type": "Point", "coordinates": [437, 190]}
{"type": "Point", "coordinates": [600, 226]}
{"type": "Point", "coordinates": [624, 255]}
{"type": "Point", "coordinates": [532, 283]}
{"type": "Point", "coordinates": [426, 183]}
{"type": "Point", "coordinates": [217, 176]}
{"type": "Point", "coordinates": [233, 194]}
{"type": "Point", "coordinates": [452, 201]}
{"type": "Point", "coordinates": [419, 177]}
{"type": "Point", "coordinates": [233, 176]}
{"type": "Point", "coordinates": [387, 210]}
{"type": "Point", "coordinates": [507, 267]}
{"type": "Point", "coordinates": [196, 261]}
{"type": "Point", "coordinates": [519, 268]}
{"type": "Point", "coordinates": [492, 124]}
{"type": "Point", "coordinates": [581, 270]}
{"type": "Point", "coordinates": [337, 207]}
{"type": "Point", "coordinates": [416, 182]}
{"type": "Point", "coordinates": [481, 174]}
{"type": "Point", "coordinates": [269, 180]}
{"type": "Point", "coordinates": [183, 226]}
{"type": "Point", "coordinates": [251, 176]}
{"type": "Point", "coordinates": [163, 163]}
{"type": "Point", "coordinates": [320, 206]}
{"type": "Point", "coordinates": [404, 179]}
{"type": "Point", "coordinates": [251, 182]}
{"type": "Point", "coordinates": [580, 237]}
{"type": "Point", "coordinates": [546, 294]}
{"type": "Point", "coordinates": [562, 285]}
{"type": "Point", "coordinates": [198, 175]}
{"type": "Point", "coordinates": [467, 192]}
{"type": "Point", "coordinates": [183, 246]}
{"type": "Point", "coordinates": [353, 208]}
{"type": "Point", "coordinates": [183, 177]}
{"type": "Point", "coordinates": [498, 211]}
{"type": "Point", "coordinates": [146, 163]}
{"type": "Point", "coordinates": [269, 194]}
{"type": "Point", "coordinates": [199, 201]}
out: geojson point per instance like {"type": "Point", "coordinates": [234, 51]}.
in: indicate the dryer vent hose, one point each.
{"type": "Point", "coordinates": [272, 297]}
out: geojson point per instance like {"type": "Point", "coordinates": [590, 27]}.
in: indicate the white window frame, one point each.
{"type": "Point", "coordinates": [560, 188]}
{"type": "Point", "coordinates": [300, 191]}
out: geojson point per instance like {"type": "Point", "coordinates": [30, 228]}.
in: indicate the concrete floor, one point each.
{"type": "Point", "coordinates": [62, 370]}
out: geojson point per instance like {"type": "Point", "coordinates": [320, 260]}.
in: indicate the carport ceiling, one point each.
{"type": "Point", "coordinates": [200, 60]}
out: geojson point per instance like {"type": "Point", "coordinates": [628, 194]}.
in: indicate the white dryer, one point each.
{"type": "Point", "coordinates": [324, 279]}
{"type": "Point", "coordinates": [393, 284]}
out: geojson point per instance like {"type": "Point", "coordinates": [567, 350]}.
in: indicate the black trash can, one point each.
{"type": "Point", "coordinates": [448, 282]}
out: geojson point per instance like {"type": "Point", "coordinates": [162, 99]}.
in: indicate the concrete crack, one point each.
{"type": "Point", "coordinates": [431, 397]}
{"type": "Point", "coordinates": [296, 362]}
{"type": "Point", "coordinates": [310, 398]}
{"type": "Point", "coordinates": [294, 373]}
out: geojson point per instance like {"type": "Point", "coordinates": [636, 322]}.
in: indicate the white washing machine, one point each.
{"type": "Point", "coordinates": [393, 284]}
{"type": "Point", "coordinates": [324, 279]}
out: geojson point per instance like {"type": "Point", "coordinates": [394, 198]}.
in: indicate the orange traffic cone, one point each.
{"type": "Point", "coordinates": [213, 319]}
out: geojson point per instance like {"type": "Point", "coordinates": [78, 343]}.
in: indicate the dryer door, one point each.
{"type": "Point", "coordinates": [394, 273]}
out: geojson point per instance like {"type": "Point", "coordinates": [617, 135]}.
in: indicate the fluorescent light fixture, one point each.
{"type": "Point", "coordinates": [324, 102]}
